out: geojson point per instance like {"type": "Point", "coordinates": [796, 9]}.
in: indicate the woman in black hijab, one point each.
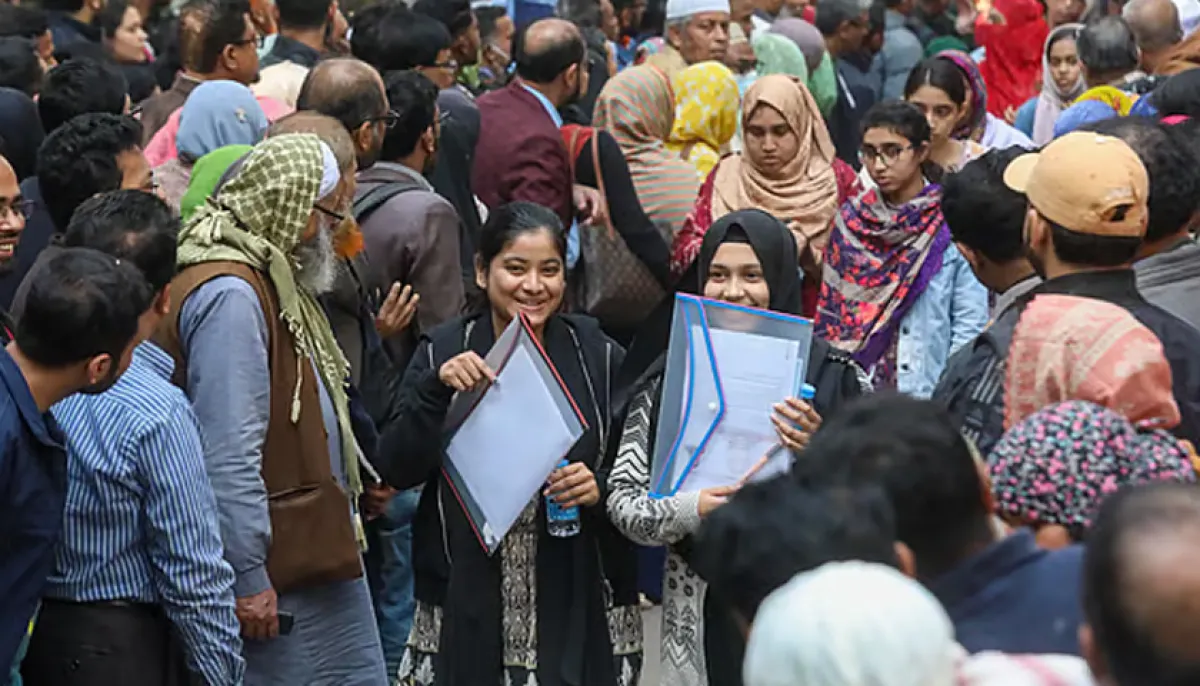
{"type": "Point", "coordinates": [20, 132]}
{"type": "Point", "coordinates": [749, 258]}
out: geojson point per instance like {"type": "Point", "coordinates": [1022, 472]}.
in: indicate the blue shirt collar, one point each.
{"type": "Point", "coordinates": [993, 564]}
{"type": "Point", "coordinates": [41, 425]}
{"type": "Point", "coordinates": [155, 358]}
{"type": "Point", "coordinates": [546, 104]}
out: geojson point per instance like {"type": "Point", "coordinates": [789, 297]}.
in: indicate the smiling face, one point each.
{"type": "Point", "coordinates": [942, 113]}
{"type": "Point", "coordinates": [527, 276]}
{"type": "Point", "coordinates": [770, 142]}
{"type": "Point", "coordinates": [736, 276]}
{"type": "Point", "coordinates": [1064, 64]}
{"type": "Point", "coordinates": [12, 214]}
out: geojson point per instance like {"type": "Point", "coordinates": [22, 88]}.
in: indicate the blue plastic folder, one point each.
{"type": "Point", "coordinates": [727, 365]}
{"type": "Point", "coordinates": [506, 438]}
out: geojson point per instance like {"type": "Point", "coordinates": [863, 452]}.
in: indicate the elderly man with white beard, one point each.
{"type": "Point", "coordinates": [256, 355]}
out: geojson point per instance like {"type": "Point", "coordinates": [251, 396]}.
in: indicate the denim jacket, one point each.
{"type": "Point", "coordinates": [952, 311]}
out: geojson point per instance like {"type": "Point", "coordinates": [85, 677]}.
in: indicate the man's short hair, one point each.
{"type": "Point", "coordinates": [20, 67]}
{"type": "Point", "coordinates": [455, 15]}
{"type": "Point", "coordinates": [413, 99]}
{"type": "Point", "coordinates": [206, 27]}
{"type": "Point", "coordinates": [80, 303]}
{"type": "Point", "coordinates": [1122, 614]}
{"type": "Point", "coordinates": [912, 450]}
{"type": "Point", "coordinates": [752, 545]}
{"type": "Point", "coordinates": [1076, 247]}
{"type": "Point", "coordinates": [553, 56]}
{"type": "Point", "coordinates": [831, 14]}
{"type": "Point", "coordinates": [79, 160]}
{"type": "Point", "coordinates": [344, 88]}
{"type": "Point", "coordinates": [1171, 165]}
{"type": "Point", "coordinates": [131, 225]}
{"type": "Point", "coordinates": [66, 6]}
{"type": "Point", "coordinates": [399, 39]}
{"type": "Point", "coordinates": [489, 19]}
{"type": "Point", "coordinates": [983, 213]}
{"type": "Point", "coordinates": [80, 86]}
{"type": "Point", "coordinates": [23, 20]}
{"type": "Point", "coordinates": [303, 14]}
{"type": "Point", "coordinates": [1107, 46]}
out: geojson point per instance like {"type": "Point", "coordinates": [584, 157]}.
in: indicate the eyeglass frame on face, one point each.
{"type": "Point", "coordinates": [259, 41]}
{"type": "Point", "coordinates": [389, 119]}
{"type": "Point", "coordinates": [451, 64]}
{"type": "Point", "coordinates": [868, 154]}
{"type": "Point", "coordinates": [22, 208]}
{"type": "Point", "coordinates": [329, 213]}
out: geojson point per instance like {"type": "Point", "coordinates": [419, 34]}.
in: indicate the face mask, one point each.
{"type": "Point", "coordinates": [744, 81]}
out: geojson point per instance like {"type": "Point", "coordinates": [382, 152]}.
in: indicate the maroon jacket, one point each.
{"type": "Point", "coordinates": [520, 154]}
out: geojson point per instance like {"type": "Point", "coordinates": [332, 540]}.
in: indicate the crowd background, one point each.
{"type": "Point", "coordinates": [251, 250]}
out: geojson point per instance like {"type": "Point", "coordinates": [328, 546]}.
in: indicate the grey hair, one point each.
{"type": "Point", "coordinates": [1107, 46]}
{"type": "Point", "coordinates": [1155, 23]}
{"type": "Point", "coordinates": [833, 13]}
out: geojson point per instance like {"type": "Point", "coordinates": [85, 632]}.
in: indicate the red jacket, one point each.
{"type": "Point", "coordinates": [520, 154]}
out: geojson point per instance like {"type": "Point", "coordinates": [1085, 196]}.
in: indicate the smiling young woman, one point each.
{"type": "Point", "coordinates": [482, 620]}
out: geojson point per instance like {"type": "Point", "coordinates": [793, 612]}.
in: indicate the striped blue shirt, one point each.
{"type": "Point", "coordinates": [141, 520]}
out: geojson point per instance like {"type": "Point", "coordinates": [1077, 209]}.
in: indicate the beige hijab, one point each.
{"type": "Point", "coordinates": [804, 193]}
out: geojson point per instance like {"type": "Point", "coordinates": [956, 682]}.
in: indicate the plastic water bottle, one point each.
{"type": "Point", "coordinates": [561, 522]}
{"type": "Point", "coordinates": [808, 392]}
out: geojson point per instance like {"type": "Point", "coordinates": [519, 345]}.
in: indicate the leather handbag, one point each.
{"type": "Point", "coordinates": [614, 286]}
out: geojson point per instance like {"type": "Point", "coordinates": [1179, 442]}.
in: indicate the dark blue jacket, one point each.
{"type": "Point", "coordinates": [33, 492]}
{"type": "Point", "coordinates": [1015, 597]}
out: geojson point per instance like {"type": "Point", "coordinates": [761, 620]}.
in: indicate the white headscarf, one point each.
{"type": "Point", "coordinates": [1052, 101]}
{"type": "Point", "coordinates": [851, 623]}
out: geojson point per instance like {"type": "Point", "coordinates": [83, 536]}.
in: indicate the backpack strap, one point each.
{"type": "Point", "coordinates": [377, 196]}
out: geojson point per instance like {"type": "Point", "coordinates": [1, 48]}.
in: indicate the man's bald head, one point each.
{"type": "Point", "coordinates": [1142, 587]}
{"type": "Point", "coordinates": [1155, 24]}
{"type": "Point", "coordinates": [547, 48]}
{"type": "Point", "coordinates": [350, 91]}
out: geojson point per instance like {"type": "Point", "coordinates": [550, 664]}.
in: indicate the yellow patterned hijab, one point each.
{"type": "Point", "coordinates": [706, 114]}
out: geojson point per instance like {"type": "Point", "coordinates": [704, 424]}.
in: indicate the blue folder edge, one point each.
{"type": "Point", "coordinates": [687, 302]}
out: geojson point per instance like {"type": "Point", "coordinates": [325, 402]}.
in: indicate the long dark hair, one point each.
{"type": "Point", "coordinates": [904, 119]}
{"type": "Point", "coordinates": [503, 225]}
{"type": "Point", "coordinates": [941, 74]}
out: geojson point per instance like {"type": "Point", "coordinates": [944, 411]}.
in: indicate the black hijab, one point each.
{"type": "Point", "coordinates": [1179, 95]}
{"type": "Point", "coordinates": [776, 250]}
{"type": "Point", "coordinates": [20, 131]}
{"type": "Point", "coordinates": [774, 246]}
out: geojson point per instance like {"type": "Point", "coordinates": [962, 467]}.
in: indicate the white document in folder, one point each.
{"type": "Point", "coordinates": [511, 441]}
{"type": "Point", "coordinates": [756, 372]}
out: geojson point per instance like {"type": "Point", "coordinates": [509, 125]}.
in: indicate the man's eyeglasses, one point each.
{"type": "Point", "coordinates": [330, 213]}
{"type": "Point", "coordinates": [888, 154]}
{"type": "Point", "coordinates": [389, 119]}
{"type": "Point", "coordinates": [21, 208]}
{"type": "Point", "coordinates": [452, 65]}
{"type": "Point", "coordinates": [257, 41]}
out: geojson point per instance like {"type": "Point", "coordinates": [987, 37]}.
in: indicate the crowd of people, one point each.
{"type": "Point", "coordinates": [251, 251]}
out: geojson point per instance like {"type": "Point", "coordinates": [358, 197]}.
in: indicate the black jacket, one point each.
{"type": "Point", "coordinates": [573, 574]}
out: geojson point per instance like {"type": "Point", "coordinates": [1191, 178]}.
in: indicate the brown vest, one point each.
{"type": "Point", "coordinates": [312, 536]}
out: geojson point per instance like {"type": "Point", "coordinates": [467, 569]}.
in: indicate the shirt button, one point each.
{"type": "Point", "coordinates": [904, 330]}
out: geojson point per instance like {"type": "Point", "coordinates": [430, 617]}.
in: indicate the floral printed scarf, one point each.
{"type": "Point", "coordinates": [879, 260]}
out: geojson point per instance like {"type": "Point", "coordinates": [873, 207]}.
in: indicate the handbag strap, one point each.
{"type": "Point", "coordinates": [608, 223]}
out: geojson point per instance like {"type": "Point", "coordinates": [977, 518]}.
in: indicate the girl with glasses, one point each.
{"type": "Point", "coordinates": [896, 295]}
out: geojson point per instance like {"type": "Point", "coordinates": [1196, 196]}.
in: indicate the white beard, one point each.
{"type": "Point", "coordinates": [317, 263]}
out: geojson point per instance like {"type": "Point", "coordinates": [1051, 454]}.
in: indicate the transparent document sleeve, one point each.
{"type": "Point", "coordinates": [727, 366]}
{"type": "Point", "coordinates": [505, 439]}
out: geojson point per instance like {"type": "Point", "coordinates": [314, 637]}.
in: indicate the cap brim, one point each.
{"type": "Point", "coordinates": [1016, 175]}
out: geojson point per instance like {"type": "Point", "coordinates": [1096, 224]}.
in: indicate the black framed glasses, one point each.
{"type": "Point", "coordinates": [22, 208]}
{"type": "Point", "coordinates": [329, 213]}
{"type": "Point", "coordinates": [258, 41]}
{"type": "Point", "coordinates": [388, 118]}
{"type": "Point", "coordinates": [888, 154]}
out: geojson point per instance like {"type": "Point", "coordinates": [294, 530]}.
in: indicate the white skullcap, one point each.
{"type": "Point", "coordinates": [330, 173]}
{"type": "Point", "coordinates": [682, 9]}
{"type": "Point", "coordinates": [851, 623]}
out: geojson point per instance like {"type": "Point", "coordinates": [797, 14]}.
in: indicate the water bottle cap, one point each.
{"type": "Point", "coordinates": [808, 392]}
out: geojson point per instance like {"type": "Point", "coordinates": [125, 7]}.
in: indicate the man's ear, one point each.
{"type": "Point", "coordinates": [1091, 653]}
{"type": "Point", "coordinates": [674, 35]}
{"type": "Point", "coordinates": [905, 560]}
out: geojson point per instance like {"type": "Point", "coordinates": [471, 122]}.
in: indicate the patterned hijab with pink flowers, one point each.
{"type": "Point", "coordinates": [1057, 465]}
